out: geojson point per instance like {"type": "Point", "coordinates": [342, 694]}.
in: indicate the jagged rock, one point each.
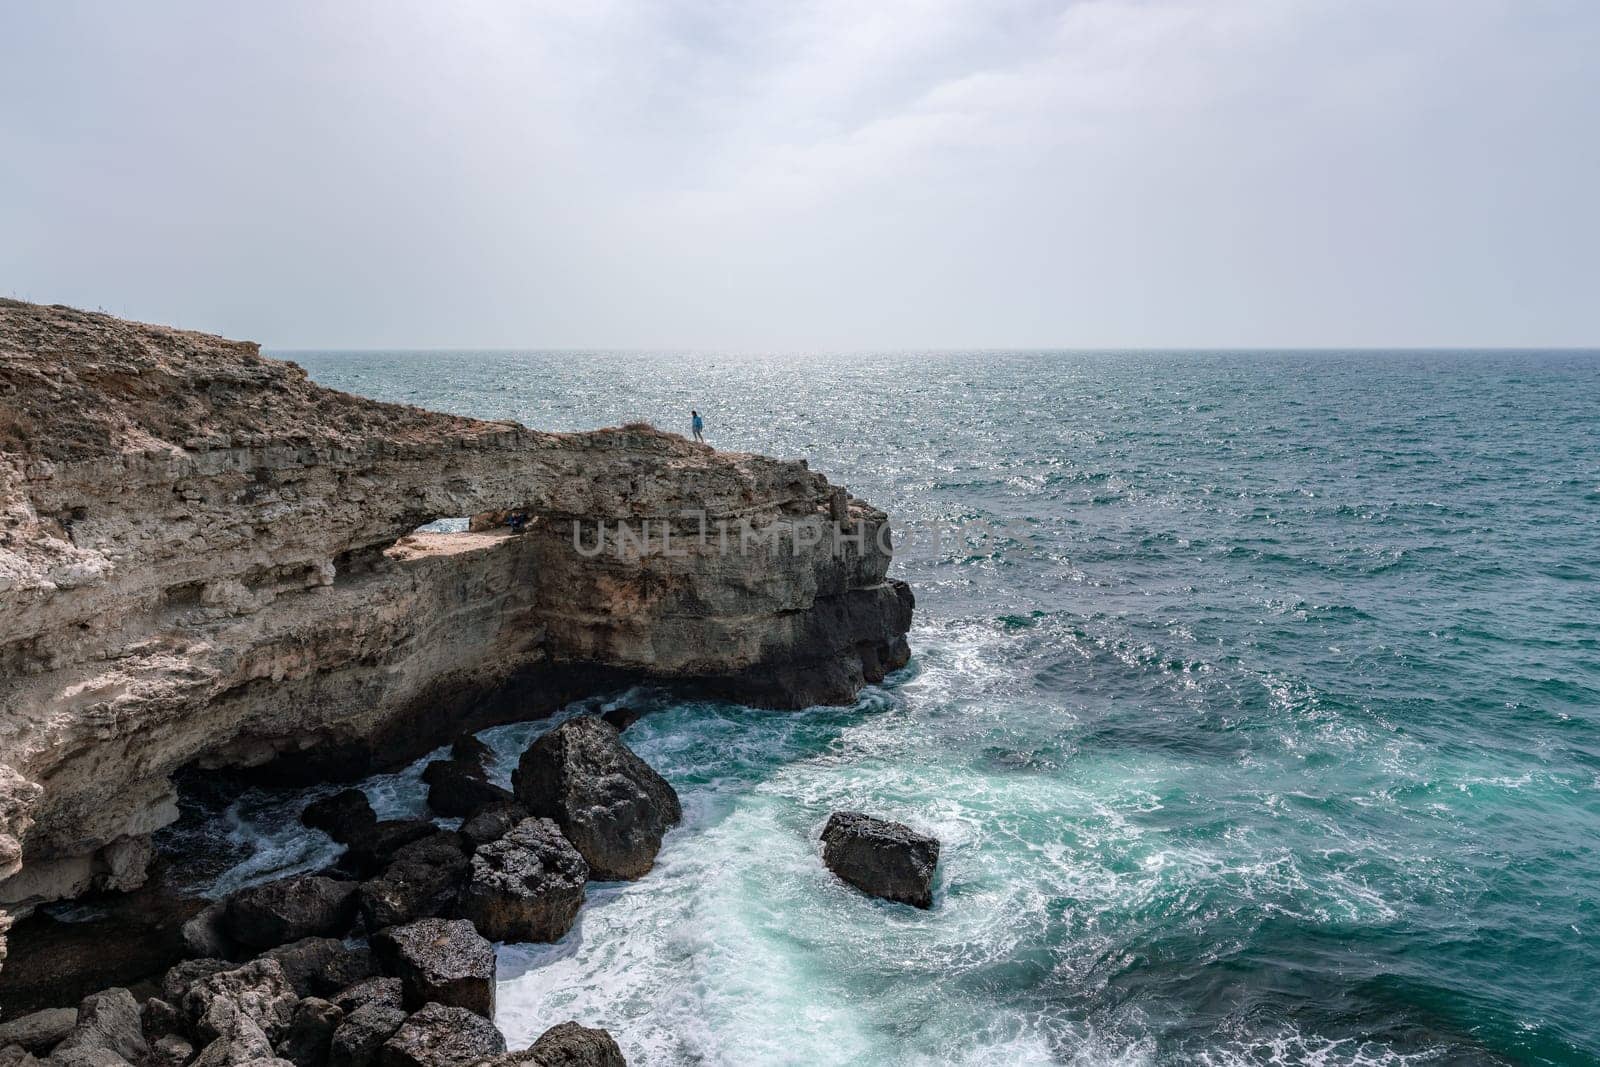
{"type": "Point", "coordinates": [886, 859]}
{"type": "Point", "coordinates": [385, 992]}
{"type": "Point", "coordinates": [205, 935]}
{"type": "Point", "coordinates": [609, 803]}
{"type": "Point", "coordinates": [422, 881]}
{"type": "Point", "coordinates": [180, 977]}
{"type": "Point", "coordinates": [322, 965]}
{"type": "Point", "coordinates": [439, 960]}
{"type": "Point", "coordinates": [40, 1031]}
{"type": "Point", "coordinates": [571, 1045]}
{"type": "Point", "coordinates": [17, 1056]}
{"type": "Point", "coordinates": [374, 849]}
{"type": "Point", "coordinates": [160, 1017]}
{"type": "Point", "coordinates": [311, 1033]}
{"type": "Point", "coordinates": [85, 1057]}
{"type": "Point", "coordinates": [240, 1040]}
{"type": "Point", "coordinates": [258, 992]}
{"type": "Point", "coordinates": [346, 816]}
{"type": "Point", "coordinates": [289, 909]}
{"type": "Point", "coordinates": [459, 788]}
{"type": "Point", "coordinates": [170, 1050]}
{"type": "Point", "coordinates": [359, 1039]}
{"type": "Point", "coordinates": [208, 560]}
{"type": "Point", "coordinates": [491, 823]}
{"type": "Point", "coordinates": [438, 1035]}
{"type": "Point", "coordinates": [108, 1020]}
{"type": "Point", "coordinates": [527, 886]}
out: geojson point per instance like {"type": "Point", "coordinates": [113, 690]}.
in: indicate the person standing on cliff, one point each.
{"type": "Point", "coordinates": [697, 424]}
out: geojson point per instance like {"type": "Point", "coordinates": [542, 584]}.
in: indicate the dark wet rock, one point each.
{"type": "Point", "coordinates": [421, 881]}
{"type": "Point", "coordinates": [110, 1021]}
{"type": "Point", "coordinates": [623, 717]}
{"type": "Point", "coordinates": [374, 849]}
{"type": "Point", "coordinates": [608, 802]}
{"type": "Point", "coordinates": [181, 976]}
{"type": "Point", "coordinates": [323, 965]}
{"type": "Point", "coordinates": [439, 960]}
{"type": "Point", "coordinates": [459, 788]}
{"type": "Point", "coordinates": [346, 816]}
{"type": "Point", "coordinates": [206, 934]}
{"type": "Point", "coordinates": [40, 1031]}
{"type": "Point", "coordinates": [438, 1035]}
{"type": "Point", "coordinates": [527, 886]}
{"type": "Point", "coordinates": [491, 822]}
{"type": "Point", "coordinates": [360, 1037]}
{"type": "Point", "coordinates": [307, 905]}
{"type": "Point", "coordinates": [160, 1017]}
{"type": "Point", "coordinates": [311, 1033]}
{"type": "Point", "coordinates": [468, 749]}
{"type": "Point", "coordinates": [258, 992]}
{"type": "Point", "coordinates": [386, 992]}
{"type": "Point", "coordinates": [170, 1050]}
{"type": "Point", "coordinates": [571, 1045]}
{"type": "Point", "coordinates": [886, 859]}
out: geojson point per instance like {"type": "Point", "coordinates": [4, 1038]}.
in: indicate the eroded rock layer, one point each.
{"type": "Point", "coordinates": [206, 559]}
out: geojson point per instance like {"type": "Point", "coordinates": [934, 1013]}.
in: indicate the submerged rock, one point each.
{"type": "Point", "coordinates": [346, 816]}
{"type": "Point", "coordinates": [307, 905]}
{"type": "Point", "coordinates": [609, 803]}
{"type": "Point", "coordinates": [459, 788]}
{"type": "Point", "coordinates": [439, 960]}
{"type": "Point", "coordinates": [886, 859]}
{"type": "Point", "coordinates": [438, 1035]}
{"type": "Point", "coordinates": [526, 886]}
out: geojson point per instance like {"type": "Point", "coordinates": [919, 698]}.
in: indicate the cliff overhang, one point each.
{"type": "Point", "coordinates": [208, 560]}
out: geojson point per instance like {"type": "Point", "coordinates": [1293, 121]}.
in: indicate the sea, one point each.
{"type": "Point", "coordinates": [1255, 698]}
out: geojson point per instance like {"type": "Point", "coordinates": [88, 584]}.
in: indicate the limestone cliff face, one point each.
{"type": "Point", "coordinates": [205, 559]}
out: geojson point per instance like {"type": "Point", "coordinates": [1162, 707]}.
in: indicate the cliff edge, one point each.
{"type": "Point", "coordinates": [208, 560]}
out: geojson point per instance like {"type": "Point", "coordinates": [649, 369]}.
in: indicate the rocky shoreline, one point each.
{"type": "Point", "coordinates": [211, 566]}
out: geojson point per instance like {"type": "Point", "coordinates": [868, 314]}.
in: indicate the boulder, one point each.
{"type": "Point", "coordinates": [527, 886]}
{"type": "Point", "coordinates": [375, 848]}
{"type": "Point", "coordinates": [571, 1045]}
{"type": "Point", "coordinates": [886, 859]}
{"type": "Point", "coordinates": [608, 802]}
{"type": "Point", "coordinates": [239, 1041]}
{"type": "Point", "coordinates": [322, 965]}
{"type": "Point", "coordinates": [438, 1035]}
{"type": "Point", "coordinates": [360, 1037]}
{"type": "Point", "coordinates": [17, 1056]}
{"type": "Point", "coordinates": [39, 1031]}
{"type": "Point", "coordinates": [83, 1057]}
{"type": "Point", "coordinates": [206, 936]}
{"type": "Point", "coordinates": [382, 991]}
{"type": "Point", "coordinates": [468, 749]}
{"type": "Point", "coordinates": [258, 992]}
{"type": "Point", "coordinates": [108, 1020]}
{"type": "Point", "coordinates": [170, 1050]}
{"type": "Point", "coordinates": [181, 976]}
{"type": "Point", "coordinates": [346, 816]}
{"type": "Point", "coordinates": [306, 905]}
{"type": "Point", "coordinates": [490, 823]}
{"type": "Point", "coordinates": [311, 1033]}
{"type": "Point", "coordinates": [623, 717]}
{"type": "Point", "coordinates": [459, 788]}
{"type": "Point", "coordinates": [421, 881]}
{"type": "Point", "coordinates": [162, 1017]}
{"type": "Point", "coordinates": [439, 960]}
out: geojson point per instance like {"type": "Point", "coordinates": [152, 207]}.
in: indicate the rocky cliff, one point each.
{"type": "Point", "coordinates": [208, 560]}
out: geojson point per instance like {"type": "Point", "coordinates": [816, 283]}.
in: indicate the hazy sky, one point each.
{"type": "Point", "coordinates": [793, 175]}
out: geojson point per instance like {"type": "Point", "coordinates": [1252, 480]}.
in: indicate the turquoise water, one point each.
{"type": "Point", "coordinates": [1265, 730]}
